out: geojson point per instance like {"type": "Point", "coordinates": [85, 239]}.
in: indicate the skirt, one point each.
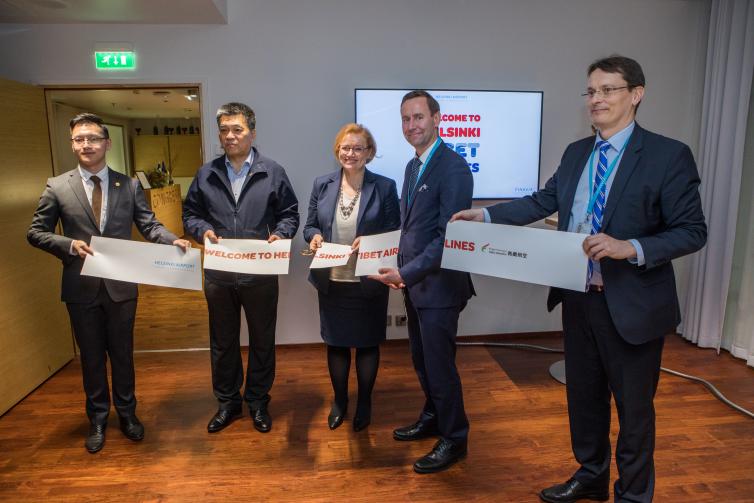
{"type": "Point", "coordinates": [348, 318]}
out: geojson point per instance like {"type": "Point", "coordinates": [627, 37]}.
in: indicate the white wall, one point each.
{"type": "Point", "coordinates": [297, 62]}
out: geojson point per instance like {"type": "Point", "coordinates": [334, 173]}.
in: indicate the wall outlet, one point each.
{"type": "Point", "coordinates": [401, 320]}
{"type": "Point", "coordinates": [389, 321]}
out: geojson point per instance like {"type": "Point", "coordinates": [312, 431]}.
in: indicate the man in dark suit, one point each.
{"type": "Point", "coordinates": [241, 195]}
{"type": "Point", "coordinates": [94, 200]}
{"type": "Point", "coordinates": [437, 184]}
{"type": "Point", "coordinates": [636, 194]}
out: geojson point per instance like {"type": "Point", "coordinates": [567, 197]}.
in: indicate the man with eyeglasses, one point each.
{"type": "Point", "coordinates": [241, 195]}
{"type": "Point", "coordinates": [635, 194]}
{"type": "Point", "coordinates": [94, 200]}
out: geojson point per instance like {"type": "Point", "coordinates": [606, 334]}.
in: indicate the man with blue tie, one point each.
{"type": "Point", "coordinates": [437, 184]}
{"type": "Point", "coordinates": [636, 195]}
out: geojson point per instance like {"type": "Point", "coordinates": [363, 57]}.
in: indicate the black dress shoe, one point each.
{"type": "Point", "coordinates": [361, 422]}
{"type": "Point", "coordinates": [222, 419]}
{"type": "Point", "coordinates": [419, 429]}
{"type": "Point", "coordinates": [132, 428]}
{"type": "Point", "coordinates": [573, 490]}
{"type": "Point", "coordinates": [443, 455]}
{"type": "Point", "coordinates": [362, 418]}
{"type": "Point", "coordinates": [336, 416]}
{"type": "Point", "coordinates": [96, 438]}
{"type": "Point", "coordinates": [262, 420]}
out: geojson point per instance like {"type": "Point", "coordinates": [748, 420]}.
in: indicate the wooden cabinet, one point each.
{"type": "Point", "coordinates": [182, 154]}
{"type": "Point", "coordinates": [167, 207]}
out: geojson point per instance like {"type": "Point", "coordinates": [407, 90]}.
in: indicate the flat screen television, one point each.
{"type": "Point", "coordinates": [498, 133]}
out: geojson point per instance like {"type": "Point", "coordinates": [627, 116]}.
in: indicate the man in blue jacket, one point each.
{"type": "Point", "coordinates": [437, 184]}
{"type": "Point", "coordinates": [241, 195]}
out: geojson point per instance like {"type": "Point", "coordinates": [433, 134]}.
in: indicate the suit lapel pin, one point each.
{"type": "Point", "coordinates": [423, 188]}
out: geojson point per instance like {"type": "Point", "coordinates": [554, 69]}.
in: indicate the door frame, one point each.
{"type": "Point", "coordinates": [59, 164]}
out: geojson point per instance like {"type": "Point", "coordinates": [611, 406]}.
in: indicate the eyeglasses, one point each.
{"type": "Point", "coordinates": [605, 92]}
{"type": "Point", "coordinates": [356, 150]}
{"type": "Point", "coordinates": [92, 140]}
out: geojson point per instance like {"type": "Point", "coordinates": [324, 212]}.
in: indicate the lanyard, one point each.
{"type": "Point", "coordinates": [424, 165]}
{"type": "Point", "coordinates": [593, 195]}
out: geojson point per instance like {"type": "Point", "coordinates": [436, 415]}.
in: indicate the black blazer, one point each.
{"type": "Point", "coordinates": [445, 187]}
{"type": "Point", "coordinates": [655, 200]}
{"type": "Point", "coordinates": [64, 199]}
{"type": "Point", "coordinates": [378, 213]}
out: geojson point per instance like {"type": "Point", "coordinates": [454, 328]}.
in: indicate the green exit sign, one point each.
{"type": "Point", "coordinates": [115, 60]}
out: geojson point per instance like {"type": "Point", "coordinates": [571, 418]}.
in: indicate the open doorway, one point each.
{"type": "Point", "coordinates": [150, 126]}
{"type": "Point", "coordinates": [155, 130]}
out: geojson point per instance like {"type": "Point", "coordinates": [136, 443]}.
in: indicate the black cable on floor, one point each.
{"type": "Point", "coordinates": [715, 392]}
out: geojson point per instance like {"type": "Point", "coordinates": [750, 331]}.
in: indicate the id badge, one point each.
{"type": "Point", "coordinates": [585, 226]}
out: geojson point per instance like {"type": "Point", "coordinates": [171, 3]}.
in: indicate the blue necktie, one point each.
{"type": "Point", "coordinates": [415, 169]}
{"type": "Point", "coordinates": [599, 203]}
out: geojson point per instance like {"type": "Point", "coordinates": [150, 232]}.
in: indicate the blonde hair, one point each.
{"type": "Point", "coordinates": [353, 128]}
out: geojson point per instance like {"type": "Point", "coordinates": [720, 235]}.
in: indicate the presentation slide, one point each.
{"type": "Point", "coordinates": [497, 132]}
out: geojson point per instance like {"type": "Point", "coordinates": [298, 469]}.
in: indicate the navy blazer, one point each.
{"type": "Point", "coordinates": [378, 213]}
{"type": "Point", "coordinates": [266, 205]}
{"type": "Point", "coordinates": [445, 187]}
{"type": "Point", "coordinates": [655, 200]}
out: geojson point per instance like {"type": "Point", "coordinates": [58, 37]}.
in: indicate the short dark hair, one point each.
{"type": "Point", "coordinates": [235, 108]}
{"type": "Point", "coordinates": [89, 118]}
{"type": "Point", "coordinates": [628, 68]}
{"type": "Point", "coordinates": [434, 106]}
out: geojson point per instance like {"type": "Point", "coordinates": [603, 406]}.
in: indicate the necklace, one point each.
{"type": "Point", "coordinates": [347, 209]}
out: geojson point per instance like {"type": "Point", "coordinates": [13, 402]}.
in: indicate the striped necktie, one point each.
{"type": "Point", "coordinates": [415, 169]}
{"type": "Point", "coordinates": [599, 203]}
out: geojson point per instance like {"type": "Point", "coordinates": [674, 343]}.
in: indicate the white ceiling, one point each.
{"type": "Point", "coordinates": [114, 11]}
{"type": "Point", "coordinates": [131, 103]}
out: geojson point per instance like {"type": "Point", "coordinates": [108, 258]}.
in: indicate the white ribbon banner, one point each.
{"type": "Point", "coordinates": [147, 263]}
{"type": "Point", "coordinates": [248, 256]}
{"type": "Point", "coordinates": [376, 252]}
{"type": "Point", "coordinates": [331, 255]}
{"type": "Point", "coordinates": [541, 256]}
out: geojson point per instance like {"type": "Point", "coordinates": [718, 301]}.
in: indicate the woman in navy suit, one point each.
{"type": "Point", "coordinates": [345, 205]}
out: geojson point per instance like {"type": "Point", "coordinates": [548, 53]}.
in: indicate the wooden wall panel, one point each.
{"type": "Point", "coordinates": [149, 151]}
{"type": "Point", "coordinates": [35, 340]}
{"type": "Point", "coordinates": [185, 154]}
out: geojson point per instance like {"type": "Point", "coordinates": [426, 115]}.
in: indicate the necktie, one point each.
{"type": "Point", "coordinates": [599, 203]}
{"type": "Point", "coordinates": [415, 169]}
{"type": "Point", "coordinates": [96, 199]}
